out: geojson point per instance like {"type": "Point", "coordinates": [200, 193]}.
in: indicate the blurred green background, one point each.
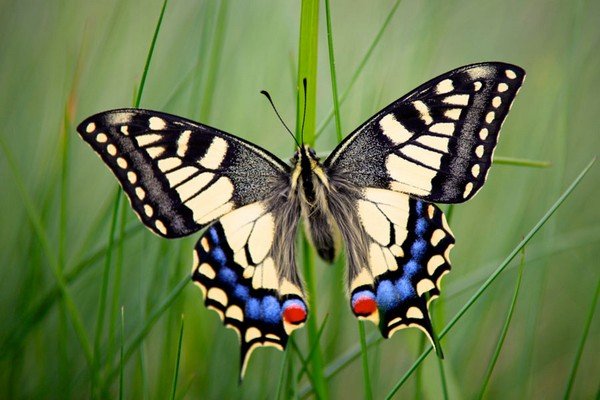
{"type": "Point", "coordinates": [61, 61]}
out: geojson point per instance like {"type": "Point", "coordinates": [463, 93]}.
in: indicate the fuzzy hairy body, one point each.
{"type": "Point", "coordinates": [327, 210]}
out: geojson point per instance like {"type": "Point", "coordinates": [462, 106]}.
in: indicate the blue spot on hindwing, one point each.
{"type": "Point", "coordinates": [418, 248]}
{"type": "Point", "coordinates": [228, 276]}
{"type": "Point", "coordinates": [419, 207]}
{"type": "Point", "coordinates": [387, 295]}
{"type": "Point", "coordinates": [411, 268]}
{"type": "Point", "coordinates": [271, 311]}
{"type": "Point", "coordinates": [241, 292]}
{"type": "Point", "coordinates": [252, 309]}
{"type": "Point", "coordinates": [421, 227]}
{"type": "Point", "coordinates": [214, 235]}
{"type": "Point", "coordinates": [405, 288]}
{"type": "Point", "coordinates": [219, 255]}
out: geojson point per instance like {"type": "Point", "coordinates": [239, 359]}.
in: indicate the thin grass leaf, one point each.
{"type": "Point", "coordinates": [504, 331]}
{"type": "Point", "coordinates": [176, 373]}
{"type": "Point", "coordinates": [38, 228]}
{"type": "Point", "coordinates": [122, 358]}
{"type": "Point", "coordinates": [334, 88]}
{"type": "Point", "coordinates": [305, 131]}
{"type": "Point", "coordinates": [104, 290]}
{"type": "Point", "coordinates": [304, 360]}
{"type": "Point", "coordinates": [342, 362]}
{"type": "Point", "coordinates": [419, 372]}
{"type": "Point", "coordinates": [214, 65]}
{"type": "Point", "coordinates": [138, 98]}
{"type": "Point", "coordinates": [360, 68]}
{"type": "Point", "coordinates": [582, 341]}
{"type": "Point", "coordinates": [29, 320]}
{"type": "Point", "coordinates": [365, 361]}
{"type": "Point", "coordinates": [521, 162]}
{"type": "Point", "coordinates": [143, 331]}
{"type": "Point", "coordinates": [282, 375]}
{"type": "Point", "coordinates": [116, 295]}
{"type": "Point", "coordinates": [495, 274]}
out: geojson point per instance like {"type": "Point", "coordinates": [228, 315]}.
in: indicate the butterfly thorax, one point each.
{"type": "Point", "coordinates": [311, 183]}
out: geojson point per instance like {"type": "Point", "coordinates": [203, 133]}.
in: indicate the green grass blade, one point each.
{"type": "Point", "coordinates": [305, 130]}
{"type": "Point", "coordinates": [176, 373]}
{"type": "Point", "coordinates": [342, 362]}
{"type": "Point", "coordinates": [495, 274]}
{"type": "Point", "coordinates": [303, 360]}
{"type": "Point", "coordinates": [42, 235]}
{"type": "Point", "coordinates": [116, 294]}
{"type": "Point", "coordinates": [504, 331]}
{"type": "Point", "coordinates": [361, 66]}
{"type": "Point", "coordinates": [104, 290]}
{"type": "Point", "coordinates": [282, 374]}
{"type": "Point", "coordinates": [215, 62]}
{"type": "Point", "coordinates": [334, 88]}
{"type": "Point", "coordinates": [521, 162]}
{"type": "Point", "coordinates": [138, 98]}
{"type": "Point", "coordinates": [586, 331]}
{"type": "Point", "coordinates": [365, 361]}
{"type": "Point", "coordinates": [122, 358]}
{"type": "Point", "coordinates": [143, 331]}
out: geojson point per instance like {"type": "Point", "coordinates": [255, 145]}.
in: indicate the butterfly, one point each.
{"type": "Point", "coordinates": [373, 194]}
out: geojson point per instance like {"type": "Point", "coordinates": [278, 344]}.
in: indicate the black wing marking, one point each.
{"type": "Point", "coordinates": [409, 252]}
{"type": "Point", "coordinates": [437, 141]}
{"type": "Point", "coordinates": [237, 267]}
{"type": "Point", "coordinates": [180, 175]}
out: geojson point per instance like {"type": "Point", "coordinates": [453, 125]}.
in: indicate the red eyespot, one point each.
{"type": "Point", "coordinates": [294, 314]}
{"type": "Point", "coordinates": [364, 306]}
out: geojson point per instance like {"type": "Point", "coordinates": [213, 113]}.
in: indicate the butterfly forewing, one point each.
{"type": "Point", "coordinates": [437, 141]}
{"type": "Point", "coordinates": [180, 175]}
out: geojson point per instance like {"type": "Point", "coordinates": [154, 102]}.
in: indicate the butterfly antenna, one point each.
{"type": "Point", "coordinates": [268, 96]}
{"type": "Point", "coordinates": [304, 112]}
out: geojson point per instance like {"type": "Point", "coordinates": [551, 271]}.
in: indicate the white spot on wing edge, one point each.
{"type": "Point", "coordinates": [444, 86]}
{"type": "Point", "coordinates": [160, 226]}
{"type": "Point", "coordinates": [111, 149]}
{"type": "Point", "coordinates": [91, 127]}
{"type": "Point", "coordinates": [156, 123]}
{"type": "Point", "coordinates": [148, 210]}
{"type": "Point", "coordinates": [207, 270]}
{"type": "Point", "coordinates": [140, 193]}
{"type": "Point", "coordinates": [132, 177]}
{"type": "Point", "coordinates": [414, 312]}
{"type": "Point", "coordinates": [510, 74]}
{"type": "Point", "coordinates": [101, 138]}
{"type": "Point", "coordinates": [468, 189]}
{"type": "Point", "coordinates": [502, 87]}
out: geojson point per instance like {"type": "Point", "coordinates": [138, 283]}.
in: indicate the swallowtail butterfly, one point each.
{"type": "Point", "coordinates": [373, 193]}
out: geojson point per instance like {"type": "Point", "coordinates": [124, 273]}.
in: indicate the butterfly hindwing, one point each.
{"type": "Point", "coordinates": [241, 275]}
{"type": "Point", "coordinates": [180, 175]}
{"type": "Point", "coordinates": [409, 246]}
{"type": "Point", "coordinates": [437, 141]}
